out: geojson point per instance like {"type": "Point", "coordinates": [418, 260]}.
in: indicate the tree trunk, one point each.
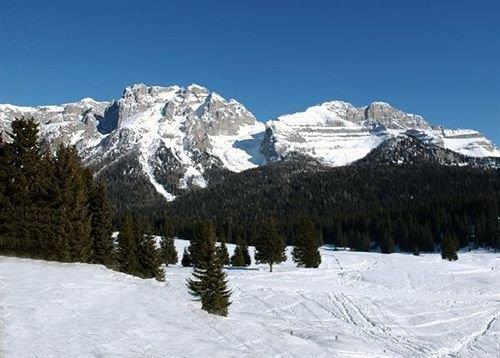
{"type": "Point", "coordinates": [271, 267]}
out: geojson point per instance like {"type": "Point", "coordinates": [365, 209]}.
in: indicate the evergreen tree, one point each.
{"type": "Point", "coordinates": [269, 244]}
{"type": "Point", "coordinates": [386, 242]}
{"type": "Point", "coordinates": [204, 233]}
{"type": "Point", "coordinates": [416, 251]}
{"type": "Point", "coordinates": [101, 225]}
{"type": "Point", "coordinates": [72, 200]}
{"type": "Point", "coordinates": [306, 251]}
{"type": "Point", "coordinates": [210, 284]}
{"type": "Point", "coordinates": [340, 239]}
{"type": "Point", "coordinates": [186, 258]}
{"type": "Point", "coordinates": [240, 257]}
{"type": "Point", "coordinates": [168, 251]}
{"type": "Point", "coordinates": [222, 253]}
{"type": "Point", "coordinates": [149, 258]}
{"type": "Point", "coordinates": [127, 248]}
{"type": "Point", "coordinates": [449, 249]}
{"type": "Point", "coordinates": [22, 180]}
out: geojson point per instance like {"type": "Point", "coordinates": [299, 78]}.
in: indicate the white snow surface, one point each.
{"type": "Point", "coordinates": [354, 305]}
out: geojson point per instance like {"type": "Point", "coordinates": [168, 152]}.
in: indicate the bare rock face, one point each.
{"type": "Point", "coordinates": [384, 114]}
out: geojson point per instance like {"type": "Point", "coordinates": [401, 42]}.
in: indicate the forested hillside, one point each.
{"type": "Point", "coordinates": [362, 205]}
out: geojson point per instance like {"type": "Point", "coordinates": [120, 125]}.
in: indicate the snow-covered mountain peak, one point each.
{"type": "Point", "coordinates": [338, 133]}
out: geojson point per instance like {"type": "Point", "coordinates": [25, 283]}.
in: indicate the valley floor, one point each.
{"type": "Point", "coordinates": [354, 305]}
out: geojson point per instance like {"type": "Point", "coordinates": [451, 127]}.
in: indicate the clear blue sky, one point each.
{"type": "Point", "coordinates": [436, 58]}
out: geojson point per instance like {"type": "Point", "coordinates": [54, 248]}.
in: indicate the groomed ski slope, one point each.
{"type": "Point", "coordinates": [354, 305]}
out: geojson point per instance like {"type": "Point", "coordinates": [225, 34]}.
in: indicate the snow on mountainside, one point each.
{"type": "Point", "coordinates": [338, 133]}
{"type": "Point", "coordinates": [170, 139]}
{"type": "Point", "coordinates": [355, 304]}
{"type": "Point", "coordinates": [172, 136]}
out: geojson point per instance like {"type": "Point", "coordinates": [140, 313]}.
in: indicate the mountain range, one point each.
{"type": "Point", "coordinates": [167, 140]}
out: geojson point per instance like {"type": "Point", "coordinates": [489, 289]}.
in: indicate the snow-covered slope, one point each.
{"type": "Point", "coordinates": [354, 305]}
{"type": "Point", "coordinates": [338, 133]}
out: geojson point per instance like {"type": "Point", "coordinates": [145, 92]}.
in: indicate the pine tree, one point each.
{"type": "Point", "coordinates": [204, 233]}
{"type": "Point", "coordinates": [449, 249]}
{"type": "Point", "coordinates": [222, 253]}
{"type": "Point", "coordinates": [269, 244]}
{"type": "Point", "coordinates": [22, 162]}
{"type": "Point", "coordinates": [416, 251]}
{"type": "Point", "coordinates": [168, 251]}
{"type": "Point", "coordinates": [101, 226]}
{"type": "Point", "coordinates": [149, 257]}
{"type": "Point", "coordinates": [306, 251]}
{"type": "Point", "coordinates": [72, 202]}
{"type": "Point", "coordinates": [127, 248]}
{"type": "Point", "coordinates": [240, 257]}
{"type": "Point", "coordinates": [210, 284]}
{"type": "Point", "coordinates": [186, 258]}
{"type": "Point", "coordinates": [386, 242]}
{"type": "Point", "coordinates": [339, 239]}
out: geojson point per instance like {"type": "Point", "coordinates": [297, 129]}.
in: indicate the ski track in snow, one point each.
{"type": "Point", "coordinates": [354, 305]}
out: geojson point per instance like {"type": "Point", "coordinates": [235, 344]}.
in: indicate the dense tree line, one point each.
{"type": "Point", "coordinates": [366, 206]}
{"type": "Point", "coordinates": [51, 207]}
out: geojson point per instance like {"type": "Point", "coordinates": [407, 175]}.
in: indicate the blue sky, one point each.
{"type": "Point", "coordinates": [436, 58]}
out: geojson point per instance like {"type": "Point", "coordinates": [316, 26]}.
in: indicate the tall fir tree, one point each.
{"type": "Point", "coordinates": [101, 224]}
{"type": "Point", "coordinates": [149, 257]}
{"type": "Point", "coordinates": [386, 241]}
{"type": "Point", "coordinates": [168, 251]}
{"type": "Point", "coordinates": [240, 257]}
{"type": "Point", "coordinates": [449, 248]}
{"type": "Point", "coordinates": [209, 284]}
{"type": "Point", "coordinates": [204, 233]}
{"type": "Point", "coordinates": [269, 244]}
{"type": "Point", "coordinates": [127, 247]}
{"type": "Point", "coordinates": [186, 258]}
{"type": "Point", "coordinates": [222, 253]}
{"type": "Point", "coordinates": [23, 178]}
{"type": "Point", "coordinates": [339, 237]}
{"type": "Point", "coordinates": [306, 250]}
{"type": "Point", "coordinates": [75, 222]}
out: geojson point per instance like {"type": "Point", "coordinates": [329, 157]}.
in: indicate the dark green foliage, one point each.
{"type": "Point", "coordinates": [72, 201]}
{"type": "Point", "coordinates": [168, 251]}
{"type": "Point", "coordinates": [306, 250]}
{"type": "Point", "coordinates": [51, 207]}
{"type": "Point", "coordinates": [186, 258]}
{"type": "Point", "coordinates": [101, 226]}
{"type": "Point", "coordinates": [222, 253]}
{"type": "Point", "coordinates": [386, 242]}
{"type": "Point", "coordinates": [339, 237]}
{"type": "Point", "coordinates": [356, 198]}
{"type": "Point", "coordinates": [449, 248]}
{"type": "Point", "coordinates": [240, 257]}
{"type": "Point", "coordinates": [269, 244]}
{"type": "Point", "coordinates": [204, 234]}
{"type": "Point", "coordinates": [358, 240]}
{"type": "Point", "coordinates": [210, 284]}
{"type": "Point", "coordinates": [127, 248]}
{"type": "Point", "coordinates": [149, 258]}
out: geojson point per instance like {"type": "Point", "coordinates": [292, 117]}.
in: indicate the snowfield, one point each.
{"type": "Point", "coordinates": [354, 305]}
